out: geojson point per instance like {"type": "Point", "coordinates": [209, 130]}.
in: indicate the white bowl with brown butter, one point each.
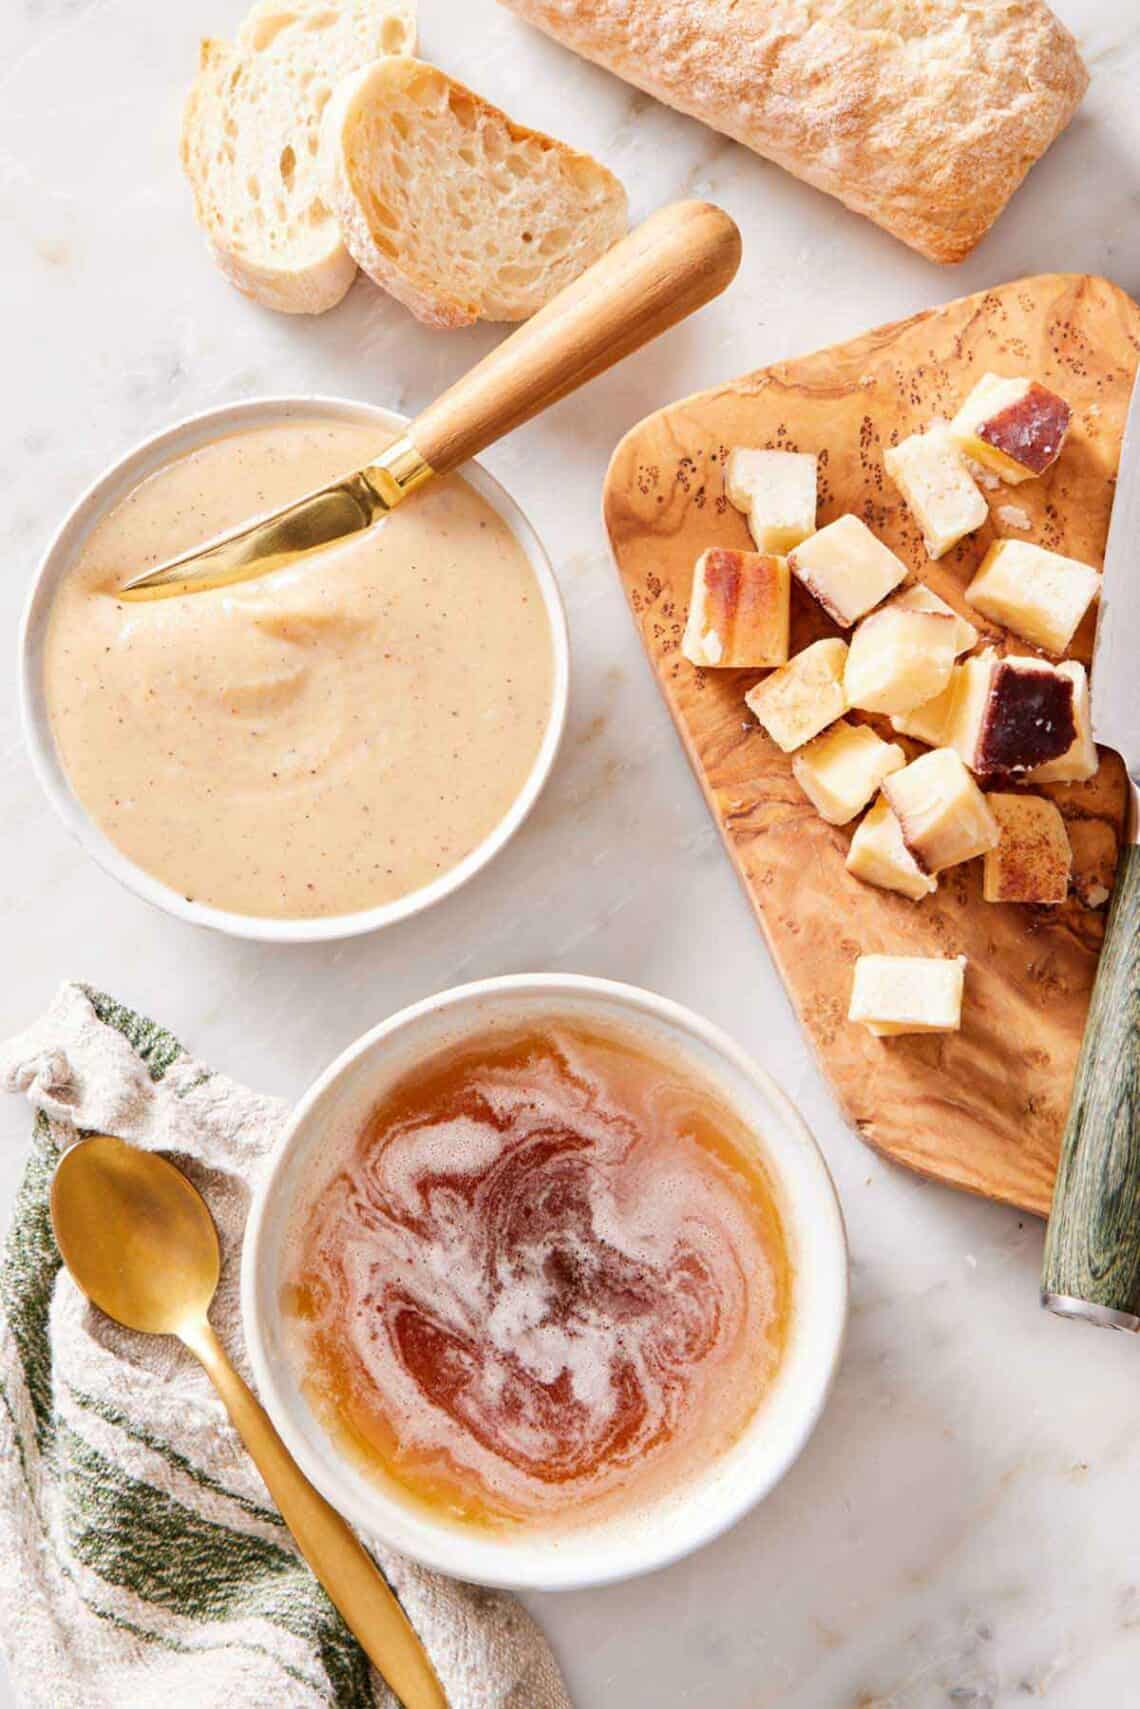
{"type": "Point", "coordinates": [319, 752]}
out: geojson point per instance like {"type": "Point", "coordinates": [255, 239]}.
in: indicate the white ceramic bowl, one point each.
{"type": "Point", "coordinates": [718, 1494]}
{"type": "Point", "coordinates": [121, 479]}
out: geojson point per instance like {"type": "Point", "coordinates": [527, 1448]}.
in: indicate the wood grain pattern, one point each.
{"type": "Point", "coordinates": [1091, 1249]}
{"type": "Point", "coordinates": [983, 1109]}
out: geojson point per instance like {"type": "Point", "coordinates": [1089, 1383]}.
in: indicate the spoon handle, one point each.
{"type": "Point", "coordinates": [353, 1581]}
{"type": "Point", "coordinates": [675, 262]}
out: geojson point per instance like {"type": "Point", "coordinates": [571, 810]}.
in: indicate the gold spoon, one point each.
{"type": "Point", "coordinates": [140, 1242]}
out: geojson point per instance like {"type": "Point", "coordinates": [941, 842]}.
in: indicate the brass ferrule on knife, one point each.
{"type": "Point", "coordinates": [398, 471]}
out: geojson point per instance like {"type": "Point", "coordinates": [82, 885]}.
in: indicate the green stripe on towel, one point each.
{"type": "Point", "coordinates": [133, 1531]}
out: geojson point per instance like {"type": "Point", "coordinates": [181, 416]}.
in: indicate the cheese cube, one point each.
{"type": "Point", "coordinates": [842, 769]}
{"type": "Point", "coordinates": [739, 611]}
{"type": "Point", "coordinates": [893, 994]}
{"type": "Point", "coordinates": [1016, 715]}
{"type": "Point", "coordinates": [941, 810]}
{"type": "Point", "coordinates": [954, 718]}
{"type": "Point", "coordinates": [919, 597]}
{"type": "Point", "coordinates": [1014, 427]}
{"type": "Point", "coordinates": [931, 722]}
{"type": "Point", "coordinates": [928, 470]}
{"type": "Point", "coordinates": [804, 696]}
{"type": "Point", "coordinates": [897, 660]}
{"type": "Point", "coordinates": [1031, 862]}
{"type": "Point", "coordinates": [776, 490]}
{"type": "Point", "coordinates": [879, 856]}
{"type": "Point", "coordinates": [846, 569]}
{"type": "Point", "coordinates": [1040, 595]}
{"type": "Point", "coordinates": [1080, 761]}
{"type": "Point", "coordinates": [973, 681]}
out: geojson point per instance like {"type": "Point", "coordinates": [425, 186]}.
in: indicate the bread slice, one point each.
{"type": "Point", "coordinates": [250, 141]}
{"type": "Point", "coordinates": [925, 115]}
{"type": "Point", "coordinates": [450, 206]}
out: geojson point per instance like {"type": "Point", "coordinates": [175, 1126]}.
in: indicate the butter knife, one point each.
{"type": "Point", "coordinates": [1092, 1245]}
{"type": "Point", "coordinates": [674, 263]}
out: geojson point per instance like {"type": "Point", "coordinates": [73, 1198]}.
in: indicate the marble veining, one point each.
{"type": "Point", "coordinates": [961, 1530]}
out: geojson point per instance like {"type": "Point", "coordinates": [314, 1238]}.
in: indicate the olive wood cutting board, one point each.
{"type": "Point", "coordinates": [983, 1109]}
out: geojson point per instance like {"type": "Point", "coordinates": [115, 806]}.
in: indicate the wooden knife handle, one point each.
{"type": "Point", "coordinates": [1092, 1246]}
{"type": "Point", "coordinates": [678, 260]}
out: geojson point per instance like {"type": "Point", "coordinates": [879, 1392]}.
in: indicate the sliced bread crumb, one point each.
{"type": "Point", "coordinates": [453, 208]}
{"type": "Point", "coordinates": [250, 143]}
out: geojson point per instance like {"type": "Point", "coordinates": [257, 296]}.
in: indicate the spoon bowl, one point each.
{"type": "Point", "coordinates": [135, 1234]}
{"type": "Point", "coordinates": [140, 1242]}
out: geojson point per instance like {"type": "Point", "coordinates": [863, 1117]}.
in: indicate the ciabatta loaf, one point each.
{"type": "Point", "coordinates": [925, 115]}
{"type": "Point", "coordinates": [250, 139]}
{"type": "Point", "coordinates": [457, 211]}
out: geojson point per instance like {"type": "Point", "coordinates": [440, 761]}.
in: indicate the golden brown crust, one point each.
{"type": "Point", "coordinates": [925, 115]}
{"type": "Point", "coordinates": [1032, 861]}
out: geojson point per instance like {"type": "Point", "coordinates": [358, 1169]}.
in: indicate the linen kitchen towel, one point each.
{"type": "Point", "coordinates": [142, 1565]}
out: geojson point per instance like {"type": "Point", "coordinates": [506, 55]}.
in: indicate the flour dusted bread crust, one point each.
{"type": "Point", "coordinates": [250, 140]}
{"type": "Point", "coordinates": [925, 115]}
{"type": "Point", "coordinates": [453, 208]}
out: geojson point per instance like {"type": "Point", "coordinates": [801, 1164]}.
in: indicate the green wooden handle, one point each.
{"type": "Point", "coordinates": [1092, 1247]}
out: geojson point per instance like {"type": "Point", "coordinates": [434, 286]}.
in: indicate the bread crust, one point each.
{"type": "Point", "coordinates": [924, 115]}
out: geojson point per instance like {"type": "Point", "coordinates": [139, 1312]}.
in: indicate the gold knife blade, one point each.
{"type": "Point", "coordinates": [320, 519]}
{"type": "Point", "coordinates": [680, 258]}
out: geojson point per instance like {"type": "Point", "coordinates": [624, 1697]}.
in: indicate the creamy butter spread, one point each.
{"type": "Point", "coordinates": [322, 740]}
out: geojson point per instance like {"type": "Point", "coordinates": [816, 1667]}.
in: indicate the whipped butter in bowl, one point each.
{"type": "Point", "coordinates": [316, 752]}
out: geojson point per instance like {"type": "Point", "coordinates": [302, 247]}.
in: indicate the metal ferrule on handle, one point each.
{"type": "Point", "coordinates": [398, 471]}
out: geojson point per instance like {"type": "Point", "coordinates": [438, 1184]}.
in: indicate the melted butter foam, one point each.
{"type": "Point", "coordinates": [547, 1277]}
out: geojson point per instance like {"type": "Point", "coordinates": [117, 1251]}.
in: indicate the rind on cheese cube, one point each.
{"type": "Point", "coordinates": [893, 994]}
{"type": "Point", "coordinates": [846, 569]}
{"type": "Point", "coordinates": [804, 696]}
{"type": "Point", "coordinates": [919, 597]}
{"type": "Point", "coordinates": [777, 492]}
{"type": "Point", "coordinates": [879, 856]}
{"type": "Point", "coordinates": [1080, 761]}
{"type": "Point", "coordinates": [941, 811]}
{"type": "Point", "coordinates": [841, 770]}
{"type": "Point", "coordinates": [928, 470]}
{"type": "Point", "coordinates": [739, 610]}
{"type": "Point", "coordinates": [899, 659]}
{"type": "Point", "coordinates": [1032, 861]}
{"type": "Point", "coordinates": [1040, 595]}
{"type": "Point", "coordinates": [1010, 713]}
{"type": "Point", "coordinates": [1014, 427]}
{"type": "Point", "coordinates": [1027, 719]}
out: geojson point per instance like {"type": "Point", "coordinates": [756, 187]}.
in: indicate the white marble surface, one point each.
{"type": "Point", "coordinates": [962, 1529]}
